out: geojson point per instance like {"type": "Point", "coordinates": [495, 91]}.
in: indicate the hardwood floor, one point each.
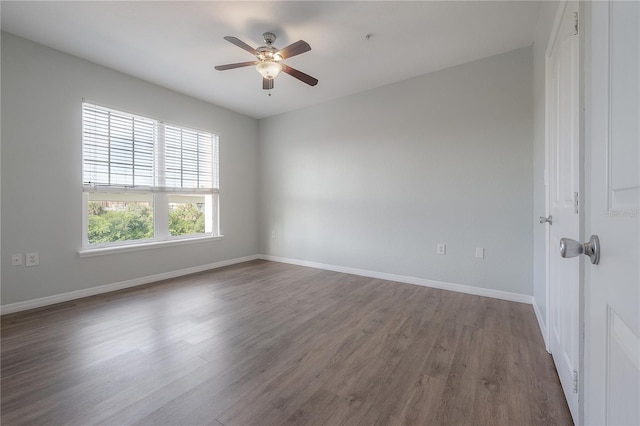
{"type": "Point", "coordinates": [264, 343]}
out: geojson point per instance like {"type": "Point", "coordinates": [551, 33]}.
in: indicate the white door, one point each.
{"type": "Point", "coordinates": [612, 348]}
{"type": "Point", "coordinates": [563, 96]}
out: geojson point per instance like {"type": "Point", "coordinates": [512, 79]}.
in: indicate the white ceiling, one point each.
{"type": "Point", "coordinates": [176, 44]}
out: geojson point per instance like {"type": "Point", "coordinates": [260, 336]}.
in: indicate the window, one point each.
{"type": "Point", "coordinates": [146, 181]}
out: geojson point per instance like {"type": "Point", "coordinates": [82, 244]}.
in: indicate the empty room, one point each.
{"type": "Point", "coordinates": [320, 212]}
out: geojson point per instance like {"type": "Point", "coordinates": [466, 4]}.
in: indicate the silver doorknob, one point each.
{"type": "Point", "coordinates": [572, 248]}
{"type": "Point", "coordinates": [546, 219]}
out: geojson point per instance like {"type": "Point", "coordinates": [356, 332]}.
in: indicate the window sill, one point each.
{"type": "Point", "coordinates": [144, 246]}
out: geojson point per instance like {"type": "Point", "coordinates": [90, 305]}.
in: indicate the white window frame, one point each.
{"type": "Point", "coordinates": [160, 193]}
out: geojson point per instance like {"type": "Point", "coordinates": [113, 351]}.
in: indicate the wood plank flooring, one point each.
{"type": "Point", "coordinates": [264, 343]}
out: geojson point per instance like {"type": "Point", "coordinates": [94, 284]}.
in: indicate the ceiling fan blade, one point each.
{"type": "Point", "coordinates": [267, 84]}
{"type": "Point", "coordinates": [241, 44]}
{"type": "Point", "coordinates": [294, 49]}
{"type": "Point", "coordinates": [237, 65]}
{"type": "Point", "coordinates": [305, 78]}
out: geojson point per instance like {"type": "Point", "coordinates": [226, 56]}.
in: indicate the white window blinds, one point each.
{"type": "Point", "coordinates": [188, 158]}
{"type": "Point", "coordinates": [118, 148]}
{"type": "Point", "coordinates": [122, 150]}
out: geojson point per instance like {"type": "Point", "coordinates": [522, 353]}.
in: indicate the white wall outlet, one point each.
{"type": "Point", "coordinates": [442, 248]}
{"type": "Point", "coordinates": [479, 252]}
{"type": "Point", "coordinates": [16, 259]}
{"type": "Point", "coordinates": [273, 235]}
{"type": "Point", "coordinates": [33, 259]}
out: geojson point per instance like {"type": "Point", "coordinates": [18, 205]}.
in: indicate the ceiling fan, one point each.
{"type": "Point", "coordinates": [269, 60]}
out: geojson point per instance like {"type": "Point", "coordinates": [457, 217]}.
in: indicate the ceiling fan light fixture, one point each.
{"type": "Point", "coordinates": [269, 70]}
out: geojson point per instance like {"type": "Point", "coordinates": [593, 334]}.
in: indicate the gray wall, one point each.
{"type": "Point", "coordinates": [371, 181]}
{"type": "Point", "coordinates": [376, 180]}
{"type": "Point", "coordinates": [541, 39]}
{"type": "Point", "coordinates": [42, 91]}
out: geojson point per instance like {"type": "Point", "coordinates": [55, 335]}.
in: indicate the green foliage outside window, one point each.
{"type": "Point", "coordinates": [186, 219]}
{"type": "Point", "coordinates": [135, 222]}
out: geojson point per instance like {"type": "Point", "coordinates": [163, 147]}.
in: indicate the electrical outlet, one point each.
{"type": "Point", "coordinates": [16, 259]}
{"type": "Point", "coordinates": [442, 248]}
{"type": "Point", "coordinates": [33, 259]}
{"type": "Point", "coordinates": [479, 252]}
{"type": "Point", "coordinates": [273, 235]}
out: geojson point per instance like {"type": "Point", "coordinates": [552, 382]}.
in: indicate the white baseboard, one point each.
{"type": "Point", "coordinates": [92, 291]}
{"type": "Point", "coordinates": [78, 294]}
{"type": "Point", "coordinates": [543, 328]}
{"type": "Point", "coordinates": [460, 288]}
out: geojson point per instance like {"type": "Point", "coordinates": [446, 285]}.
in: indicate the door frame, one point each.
{"type": "Point", "coordinates": [581, 187]}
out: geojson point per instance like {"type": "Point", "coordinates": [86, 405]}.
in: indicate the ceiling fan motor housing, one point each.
{"type": "Point", "coordinates": [268, 53]}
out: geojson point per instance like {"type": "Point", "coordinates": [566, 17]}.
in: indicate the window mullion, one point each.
{"type": "Point", "coordinates": [109, 145]}
{"type": "Point", "coordinates": [133, 151]}
{"type": "Point", "coordinates": [181, 158]}
{"type": "Point", "coordinates": [85, 219]}
{"type": "Point", "coordinates": [160, 198]}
